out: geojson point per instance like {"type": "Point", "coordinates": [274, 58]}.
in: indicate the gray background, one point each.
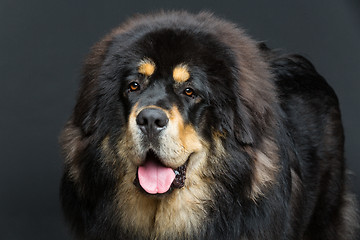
{"type": "Point", "coordinates": [42, 47]}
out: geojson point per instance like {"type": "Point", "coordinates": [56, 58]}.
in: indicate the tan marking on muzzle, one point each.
{"type": "Point", "coordinates": [187, 134]}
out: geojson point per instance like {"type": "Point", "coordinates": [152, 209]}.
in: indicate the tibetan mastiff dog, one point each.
{"type": "Point", "coordinates": [186, 128]}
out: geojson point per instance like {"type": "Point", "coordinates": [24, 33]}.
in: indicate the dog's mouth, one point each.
{"type": "Point", "coordinates": [155, 178]}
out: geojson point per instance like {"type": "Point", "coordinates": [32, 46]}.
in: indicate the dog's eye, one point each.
{"type": "Point", "coordinates": [189, 92]}
{"type": "Point", "coordinates": [134, 86]}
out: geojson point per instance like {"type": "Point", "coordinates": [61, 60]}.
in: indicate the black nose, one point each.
{"type": "Point", "coordinates": [151, 121]}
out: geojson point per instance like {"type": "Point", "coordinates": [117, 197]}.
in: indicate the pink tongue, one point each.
{"type": "Point", "coordinates": [154, 178]}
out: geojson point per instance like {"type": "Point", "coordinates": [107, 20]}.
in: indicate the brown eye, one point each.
{"type": "Point", "coordinates": [189, 92]}
{"type": "Point", "coordinates": [134, 86]}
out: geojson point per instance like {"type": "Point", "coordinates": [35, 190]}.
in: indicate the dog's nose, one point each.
{"type": "Point", "coordinates": [151, 121]}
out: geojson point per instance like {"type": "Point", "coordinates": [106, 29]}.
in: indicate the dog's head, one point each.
{"type": "Point", "coordinates": [168, 89]}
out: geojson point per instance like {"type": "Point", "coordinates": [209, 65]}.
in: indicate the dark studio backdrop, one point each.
{"type": "Point", "coordinates": [43, 44]}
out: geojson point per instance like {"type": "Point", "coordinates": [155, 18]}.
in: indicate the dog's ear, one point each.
{"type": "Point", "coordinates": [86, 109]}
{"type": "Point", "coordinates": [234, 120]}
{"type": "Point", "coordinates": [256, 99]}
{"type": "Point", "coordinates": [243, 126]}
{"type": "Point", "coordinates": [85, 112]}
{"type": "Point", "coordinates": [72, 143]}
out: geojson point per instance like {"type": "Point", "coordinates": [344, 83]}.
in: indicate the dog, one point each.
{"type": "Point", "coordinates": [186, 128]}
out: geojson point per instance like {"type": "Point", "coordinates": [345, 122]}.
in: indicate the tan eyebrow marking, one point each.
{"type": "Point", "coordinates": [146, 67]}
{"type": "Point", "coordinates": [181, 73]}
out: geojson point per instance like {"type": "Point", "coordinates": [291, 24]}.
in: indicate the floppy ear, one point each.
{"type": "Point", "coordinates": [243, 126]}
{"type": "Point", "coordinates": [73, 144]}
{"type": "Point", "coordinates": [85, 113]}
{"type": "Point", "coordinates": [86, 108]}
{"type": "Point", "coordinates": [255, 106]}
{"type": "Point", "coordinates": [234, 120]}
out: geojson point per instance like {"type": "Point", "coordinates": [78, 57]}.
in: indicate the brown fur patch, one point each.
{"type": "Point", "coordinates": [72, 144]}
{"type": "Point", "coordinates": [181, 73]}
{"type": "Point", "coordinates": [296, 184]}
{"type": "Point", "coordinates": [350, 224]}
{"type": "Point", "coordinates": [110, 156]}
{"type": "Point", "coordinates": [187, 134]}
{"type": "Point", "coordinates": [265, 168]}
{"type": "Point", "coordinates": [146, 67]}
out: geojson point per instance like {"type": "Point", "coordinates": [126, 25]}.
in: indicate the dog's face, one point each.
{"type": "Point", "coordinates": [168, 91]}
{"type": "Point", "coordinates": [160, 125]}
